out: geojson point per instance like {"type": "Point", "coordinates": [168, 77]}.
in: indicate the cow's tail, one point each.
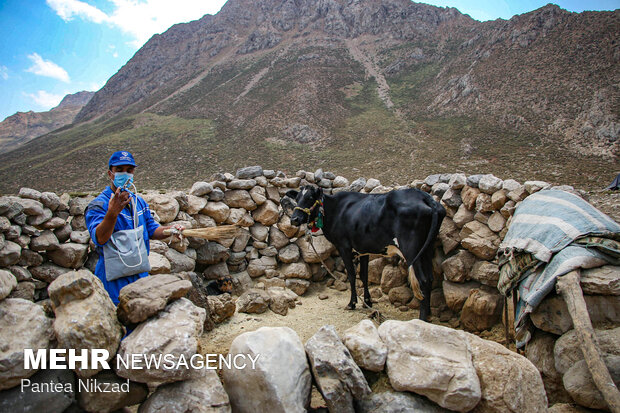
{"type": "Point", "coordinates": [432, 233]}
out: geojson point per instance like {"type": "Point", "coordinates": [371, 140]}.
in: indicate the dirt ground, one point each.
{"type": "Point", "coordinates": [311, 313]}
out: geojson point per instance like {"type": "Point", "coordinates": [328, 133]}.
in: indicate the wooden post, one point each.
{"type": "Point", "coordinates": [568, 286]}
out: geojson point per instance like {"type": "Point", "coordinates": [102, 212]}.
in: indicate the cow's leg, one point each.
{"type": "Point", "coordinates": [364, 278]}
{"type": "Point", "coordinates": [424, 276]}
{"type": "Point", "coordinates": [347, 258]}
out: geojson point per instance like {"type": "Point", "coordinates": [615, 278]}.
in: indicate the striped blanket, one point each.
{"type": "Point", "coordinates": [552, 233]}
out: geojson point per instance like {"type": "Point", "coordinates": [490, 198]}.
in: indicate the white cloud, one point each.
{"type": "Point", "coordinates": [67, 9]}
{"type": "Point", "coordinates": [141, 19]}
{"type": "Point", "coordinates": [47, 68]}
{"type": "Point", "coordinates": [4, 72]}
{"type": "Point", "coordinates": [44, 99]}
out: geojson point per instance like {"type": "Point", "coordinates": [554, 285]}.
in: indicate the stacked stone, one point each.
{"type": "Point", "coordinates": [429, 368]}
{"type": "Point", "coordinates": [555, 350]}
{"type": "Point", "coordinates": [42, 235]}
{"type": "Point", "coordinates": [166, 323]}
{"type": "Point", "coordinates": [478, 211]}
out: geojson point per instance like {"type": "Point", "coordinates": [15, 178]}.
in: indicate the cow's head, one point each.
{"type": "Point", "coordinates": [308, 199]}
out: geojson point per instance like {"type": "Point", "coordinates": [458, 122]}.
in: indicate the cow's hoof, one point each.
{"type": "Point", "coordinates": [368, 303]}
{"type": "Point", "coordinates": [351, 306]}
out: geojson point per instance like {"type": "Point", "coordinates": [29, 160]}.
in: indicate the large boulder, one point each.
{"type": "Point", "coordinates": [296, 285]}
{"type": "Point", "coordinates": [482, 310]}
{"type": "Point", "coordinates": [47, 272]}
{"type": "Point", "coordinates": [603, 280]}
{"type": "Point", "coordinates": [449, 235]}
{"type": "Point", "coordinates": [258, 267]}
{"type": "Point", "coordinates": [280, 380]}
{"type": "Point", "coordinates": [24, 326]}
{"type": "Point", "coordinates": [32, 399]}
{"type": "Point", "coordinates": [296, 270]}
{"type": "Point", "coordinates": [147, 296]}
{"type": "Point", "coordinates": [212, 253]}
{"type": "Point", "coordinates": [458, 267]}
{"type": "Point", "coordinates": [201, 188]}
{"type": "Point", "coordinates": [69, 255]}
{"type": "Point", "coordinates": [289, 254]}
{"type": "Point", "coordinates": [30, 207]}
{"type": "Point", "coordinates": [277, 238]}
{"type": "Point", "coordinates": [392, 276]}
{"type": "Point", "coordinates": [580, 385]}
{"type": "Point", "coordinates": [469, 196]}
{"type": "Point", "coordinates": [10, 254]}
{"type": "Point", "coordinates": [281, 299]}
{"type": "Point", "coordinates": [179, 262]}
{"type": "Point", "coordinates": [203, 394]}
{"type": "Point", "coordinates": [195, 204]}
{"type": "Point", "coordinates": [46, 241]}
{"type": "Point", "coordinates": [539, 351]}
{"type": "Point", "coordinates": [253, 301]}
{"type": "Point", "coordinates": [396, 402]}
{"type": "Point", "coordinates": [166, 206]}
{"type": "Point", "coordinates": [239, 198]}
{"type": "Point", "coordinates": [490, 184]}
{"type": "Point", "coordinates": [285, 226]}
{"type": "Point", "coordinates": [322, 246]}
{"type": "Point", "coordinates": [80, 292]}
{"type": "Point", "coordinates": [508, 381]}
{"type": "Point", "coordinates": [479, 240]}
{"type": "Point", "coordinates": [113, 393]}
{"type": "Point", "coordinates": [221, 307]}
{"type": "Point", "coordinates": [486, 273]}
{"type": "Point", "coordinates": [456, 294]}
{"type": "Point", "coordinates": [552, 314]}
{"type": "Point", "coordinates": [219, 211]}
{"type": "Point", "coordinates": [567, 350]}
{"type": "Point", "coordinates": [8, 282]}
{"type": "Point", "coordinates": [175, 331]}
{"type": "Point", "coordinates": [267, 214]}
{"type": "Point", "coordinates": [365, 345]}
{"type": "Point", "coordinates": [338, 378]}
{"type": "Point", "coordinates": [433, 361]}
{"type": "Point", "coordinates": [463, 216]}
{"type": "Point", "coordinates": [159, 264]}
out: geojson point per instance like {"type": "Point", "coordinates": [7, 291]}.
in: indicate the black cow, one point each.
{"type": "Point", "coordinates": [404, 222]}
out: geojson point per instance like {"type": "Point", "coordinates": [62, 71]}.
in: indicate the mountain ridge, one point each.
{"type": "Point", "coordinates": [22, 127]}
{"type": "Point", "coordinates": [341, 83]}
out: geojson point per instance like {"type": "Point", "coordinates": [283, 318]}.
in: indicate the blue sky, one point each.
{"type": "Point", "coordinates": [51, 48]}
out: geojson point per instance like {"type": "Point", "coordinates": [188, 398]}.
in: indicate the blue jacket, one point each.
{"type": "Point", "coordinates": [95, 212]}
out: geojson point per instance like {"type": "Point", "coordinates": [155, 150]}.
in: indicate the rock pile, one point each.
{"type": "Point", "coordinates": [555, 349]}
{"type": "Point", "coordinates": [84, 318]}
{"type": "Point", "coordinates": [453, 369]}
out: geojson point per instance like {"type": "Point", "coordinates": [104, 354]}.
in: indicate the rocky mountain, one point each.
{"type": "Point", "coordinates": [22, 127]}
{"type": "Point", "coordinates": [377, 87]}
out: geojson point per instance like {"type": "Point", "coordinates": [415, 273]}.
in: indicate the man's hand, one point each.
{"type": "Point", "coordinates": [104, 230]}
{"type": "Point", "coordinates": [118, 201]}
{"type": "Point", "coordinates": [159, 232]}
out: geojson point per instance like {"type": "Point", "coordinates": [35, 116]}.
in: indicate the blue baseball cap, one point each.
{"type": "Point", "coordinates": [121, 158]}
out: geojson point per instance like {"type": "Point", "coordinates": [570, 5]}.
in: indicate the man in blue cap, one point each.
{"type": "Point", "coordinates": [112, 211]}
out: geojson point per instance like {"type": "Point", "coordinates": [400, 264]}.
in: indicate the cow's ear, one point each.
{"type": "Point", "coordinates": [292, 194]}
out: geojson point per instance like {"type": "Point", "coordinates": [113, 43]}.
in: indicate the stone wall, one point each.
{"type": "Point", "coordinates": [43, 236]}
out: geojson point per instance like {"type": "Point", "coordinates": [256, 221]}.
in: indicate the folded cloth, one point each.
{"type": "Point", "coordinates": [552, 233]}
